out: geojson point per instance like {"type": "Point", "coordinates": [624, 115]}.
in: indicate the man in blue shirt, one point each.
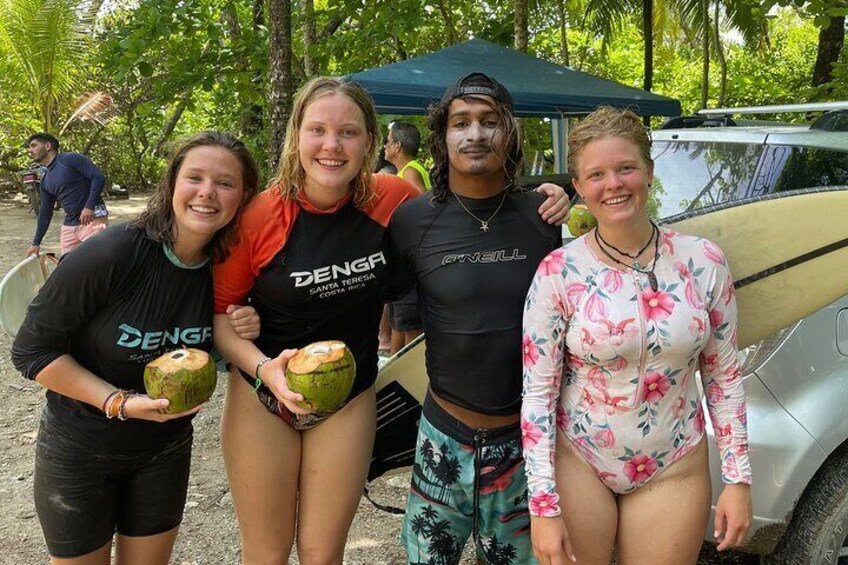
{"type": "Point", "coordinates": [77, 183]}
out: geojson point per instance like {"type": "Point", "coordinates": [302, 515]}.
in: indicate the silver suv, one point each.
{"type": "Point", "coordinates": [796, 380]}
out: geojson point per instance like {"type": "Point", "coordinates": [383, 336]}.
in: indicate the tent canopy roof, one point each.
{"type": "Point", "coordinates": [538, 88]}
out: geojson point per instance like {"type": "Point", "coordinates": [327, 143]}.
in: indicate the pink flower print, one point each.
{"type": "Point", "coordinates": [699, 423]}
{"type": "Point", "coordinates": [597, 378]}
{"type": "Point", "coordinates": [714, 392]}
{"type": "Point", "coordinates": [683, 269]}
{"type": "Point", "coordinates": [585, 447]}
{"type": "Point", "coordinates": [729, 292]}
{"type": "Point", "coordinates": [612, 404]}
{"type": "Point", "coordinates": [612, 281]}
{"type": "Point", "coordinates": [741, 449]}
{"type": "Point", "coordinates": [573, 293]}
{"type": "Point", "coordinates": [616, 365]}
{"type": "Point", "coordinates": [742, 414]}
{"type": "Point", "coordinates": [616, 334]}
{"type": "Point", "coordinates": [697, 326]}
{"type": "Point", "coordinates": [544, 504]}
{"type": "Point", "coordinates": [692, 298]}
{"type": "Point", "coordinates": [713, 253]}
{"type": "Point", "coordinates": [679, 406]}
{"type": "Point", "coordinates": [654, 387]}
{"type": "Point", "coordinates": [668, 242]}
{"type": "Point", "coordinates": [588, 341]}
{"type": "Point", "coordinates": [558, 305]}
{"type": "Point", "coordinates": [575, 362]}
{"type": "Point", "coordinates": [529, 352]}
{"type": "Point", "coordinates": [530, 434]}
{"type": "Point", "coordinates": [729, 469]}
{"type": "Point", "coordinates": [604, 438]}
{"type": "Point", "coordinates": [563, 419]}
{"type": "Point", "coordinates": [716, 318]}
{"type": "Point", "coordinates": [640, 468]}
{"type": "Point", "coordinates": [658, 305]}
{"type": "Point", "coordinates": [605, 477]}
{"type": "Point", "coordinates": [722, 432]}
{"type": "Point", "coordinates": [596, 310]}
{"type": "Point", "coordinates": [710, 362]}
{"type": "Point", "coordinates": [552, 264]}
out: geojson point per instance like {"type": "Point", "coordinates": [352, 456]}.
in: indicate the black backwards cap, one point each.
{"type": "Point", "coordinates": [478, 84]}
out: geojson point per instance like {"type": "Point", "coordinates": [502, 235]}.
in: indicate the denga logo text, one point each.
{"type": "Point", "coordinates": [337, 279]}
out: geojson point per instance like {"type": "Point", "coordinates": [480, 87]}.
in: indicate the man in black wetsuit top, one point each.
{"type": "Point", "coordinates": [472, 246]}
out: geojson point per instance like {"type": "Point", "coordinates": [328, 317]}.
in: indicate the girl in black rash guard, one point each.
{"type": "Point", "coordinates": [124, 298]}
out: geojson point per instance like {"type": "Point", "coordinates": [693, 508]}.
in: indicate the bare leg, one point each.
{"type": "Point", "coordinates": [262, 458]}
{"type": "Point", "coordinates": [588, 506]}
{"type": "Point", "coordinates": [397, 342]}
{"type": "Point", "coordinates": [336, 455]}
{"type": "Point", "coordinates": [145, 550]}
{"type": "Point", "coordinates": [665, 520]}
{"type": "Point", "coordinates": [97, 557]}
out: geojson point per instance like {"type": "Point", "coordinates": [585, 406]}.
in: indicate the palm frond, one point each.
{"type": "Point", "coordinates": [97, 107]}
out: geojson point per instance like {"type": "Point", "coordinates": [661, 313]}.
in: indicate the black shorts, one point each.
{"type": "Point", "coordinates": [405, 313]}
{"type": "Point", "coordinates": [83, 495]}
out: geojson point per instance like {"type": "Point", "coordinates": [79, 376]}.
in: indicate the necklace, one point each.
{"type": "Point", "coordinates": [484, 224]}
{"type": "Point", "coordinates": [620, 252]}
{"type": "Point", "coordinates": [647, 270]}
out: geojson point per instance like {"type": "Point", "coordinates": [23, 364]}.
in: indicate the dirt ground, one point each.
{"type": "Point", "coordinates": [208, 534]}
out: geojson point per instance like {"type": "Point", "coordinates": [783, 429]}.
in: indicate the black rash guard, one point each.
{"type": "Point", "coordinates": [116, 303]}
{"type": "Point", "coordinates": [472, 286]}
{"type": "Point", "coordinates": [314, 275]}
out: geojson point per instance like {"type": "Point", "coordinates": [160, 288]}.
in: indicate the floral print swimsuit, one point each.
{"type": "Point", "coordinates": [613, 365]}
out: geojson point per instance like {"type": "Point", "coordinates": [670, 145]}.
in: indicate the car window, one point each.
{"type": "Point", "coordinates": [694, 174]}
{"type": "Point", "coordinates": [792, 168]}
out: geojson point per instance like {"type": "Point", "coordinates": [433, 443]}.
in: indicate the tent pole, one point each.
{"type": "Point", "coordinates": [559, 137]}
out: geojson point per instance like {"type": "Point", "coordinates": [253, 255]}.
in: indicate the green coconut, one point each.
{"type": "Point", "coordinates": [581, 220]}
{"type": "Point", "coordinates": [186, 377]}
{"type": "Point", "coordinates": [323, 372]}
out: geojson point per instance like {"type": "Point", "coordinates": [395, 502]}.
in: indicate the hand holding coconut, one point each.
{"type": "Point", "coordinates": [142, 407]}
{"type": "Point", "coordinates": [273, 375]}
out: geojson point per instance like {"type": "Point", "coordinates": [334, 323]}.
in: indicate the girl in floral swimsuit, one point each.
{"type": "Point", "coordinates": [617, 323]}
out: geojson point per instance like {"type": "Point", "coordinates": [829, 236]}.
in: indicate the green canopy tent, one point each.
{"type": "Point", "coordinates": [539, 88]}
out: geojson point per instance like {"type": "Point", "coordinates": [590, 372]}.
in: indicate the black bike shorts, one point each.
{"type": "Point", "coordinates": [83, 495]}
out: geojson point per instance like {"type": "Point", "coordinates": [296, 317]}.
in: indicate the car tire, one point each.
{"type": "Point", "coordinates": [819, 525]}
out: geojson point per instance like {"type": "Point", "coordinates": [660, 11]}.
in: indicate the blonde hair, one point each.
{"type": "Point", "coordinates": [291, 176]}
{"type": "Point", "coordinates": [607, 121]}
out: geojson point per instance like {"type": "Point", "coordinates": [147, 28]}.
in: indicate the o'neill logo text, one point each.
{"type": "Point", "coordinates": [333, 272]}
{"type": "Point", "coordinates": [133, 338]}
{"type": "Point", "coordinates": [497, 256]}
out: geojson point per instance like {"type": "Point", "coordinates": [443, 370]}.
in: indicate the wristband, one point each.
{"type": "Point", "coordinates": [258, 382]}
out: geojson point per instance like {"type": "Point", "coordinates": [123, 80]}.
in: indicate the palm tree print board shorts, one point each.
{"type": "Point", "coordinates": [466, 483]}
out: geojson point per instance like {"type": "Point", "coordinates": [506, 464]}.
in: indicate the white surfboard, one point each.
{"type": "Point", "coordinates": [19, 287]}
{"type": "Point", "coordinates": [789, 257]}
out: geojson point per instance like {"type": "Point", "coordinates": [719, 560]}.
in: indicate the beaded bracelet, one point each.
{"type": "Point", "coordinates": [108, 399]}
{"type": "Point", "coordinates": [122, 409]}
{"type": "Point", "coordinates": [258, 382]}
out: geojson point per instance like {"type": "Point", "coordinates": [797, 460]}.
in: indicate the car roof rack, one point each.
{"type": "Point", "coordinates": [697, 121]}
{"type": "Point", "coordinates": [835, 120]}
{"type": "Point", "coordinates": [775, 109]}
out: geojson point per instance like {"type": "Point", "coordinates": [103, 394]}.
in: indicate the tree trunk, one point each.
{"type": "Point", "coordinates": [521, 25]}
{"type": "Point", "coordinates": [831, 40]}
{"type": "Point", "coordinates": [722, 61]}
{"type": "Point", "coordinates": [705, 35]}
{"type": "Point", "coordinates": [280, 83]}
{"type": "Point", "coordinates": [310, 65]}
{"type": "Point", "coordinates": [445, 9]}
{"type": "Point", "coordinates": [563, 32]}
{"type": "Point", "coordinates": [648, 35]}
{"type": "Point", "coordinates": [172, 122]}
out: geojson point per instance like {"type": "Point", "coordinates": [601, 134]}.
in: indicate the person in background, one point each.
{"type": "Point", "coordinates": [617, 325]}
{"type": "Point", "coordinates": [77, 183]}
{"type": "Point", "coordinates": [110, 464]}
{"type": "Point", "coordinates": [401, 146]}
